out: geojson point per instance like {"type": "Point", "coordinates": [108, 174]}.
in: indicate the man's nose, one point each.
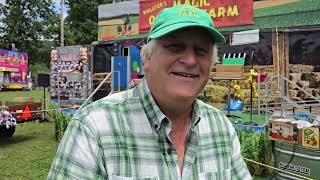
{"type": "Point", "coordinates": [190, 57]}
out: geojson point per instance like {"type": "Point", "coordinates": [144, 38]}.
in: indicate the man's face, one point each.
{"type": "Point", "coordinates": [179, 65]}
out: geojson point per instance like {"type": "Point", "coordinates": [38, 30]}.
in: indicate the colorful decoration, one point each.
{"type": "Point", "coordinates": [237, 91]}
{"type": "Point", "coordinates": [250, 79]}
{"type": "Point", "coordinates": [54, 55]}
{"type": "Point", "coordinates": [14, 69]}
{"type": "Point", "coordinates": [69, 69]}
{"type": "Point", "coordinates": [135, 66]}
{"type": "Point", "coordinates": [84, 54]}
{"type": "Point", "coordinates": [7, 120]}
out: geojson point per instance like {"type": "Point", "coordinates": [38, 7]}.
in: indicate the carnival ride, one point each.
{"type": "Point", "coordinates": [14, 70]}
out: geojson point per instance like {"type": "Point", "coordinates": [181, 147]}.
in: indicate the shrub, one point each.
{"type": "Point", "coordinates": [61, 121]}
{"type": "Point", "coordinates": [257, 147]}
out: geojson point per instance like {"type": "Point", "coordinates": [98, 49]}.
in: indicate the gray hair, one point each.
{"type": "Point", "coordinates": [146, 51]}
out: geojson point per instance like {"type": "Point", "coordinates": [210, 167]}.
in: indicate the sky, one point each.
{"type": "Point", "coordinates": [56, 4]}
{"type": "Point", "coordinates": [58, 8]}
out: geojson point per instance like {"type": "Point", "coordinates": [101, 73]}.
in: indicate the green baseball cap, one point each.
{"type": "Point", "coordinates": [183, 16]}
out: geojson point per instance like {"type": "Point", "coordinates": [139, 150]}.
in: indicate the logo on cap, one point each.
{"type": "Point", "coordinates": [187, 11]}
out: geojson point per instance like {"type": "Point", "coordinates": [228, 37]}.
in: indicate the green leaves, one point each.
{"type": "Point", "coordinates": [81, 24]}
{"type": "Point", "coordinates": [61, 121]}
{"type": "Point", "coordinates": [26, 23]}
{"type": "Point", "coordinates": [257, 147]}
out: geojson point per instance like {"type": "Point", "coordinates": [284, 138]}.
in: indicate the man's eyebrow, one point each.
{"type": "Point", "coordinates": [172, 37]}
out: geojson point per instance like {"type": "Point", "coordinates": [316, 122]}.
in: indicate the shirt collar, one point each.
{"type": "Point", "coordinates": [153, 112]}
{"type": "Point", "coordinates": [196, 115]}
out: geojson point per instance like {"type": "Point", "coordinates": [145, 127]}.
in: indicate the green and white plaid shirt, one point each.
{"type": "Point", "coordinates": [126, 136]}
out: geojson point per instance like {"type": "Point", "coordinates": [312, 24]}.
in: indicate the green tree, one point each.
{"type": "Point", "coordinates": [26, 23]}
{"type": "Point", "coordinates": [81, 24]}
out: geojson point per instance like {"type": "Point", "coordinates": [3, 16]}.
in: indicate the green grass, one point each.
{"type": "Point", "coordinates": [37, 95]}
{"type": "Point", "coordinates": [28, 154]}
{"type": "Point", "coordinates": [245, 116]}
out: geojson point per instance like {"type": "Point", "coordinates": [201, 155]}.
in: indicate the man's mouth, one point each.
{"type": "Point", "coordinates": [185, 75]}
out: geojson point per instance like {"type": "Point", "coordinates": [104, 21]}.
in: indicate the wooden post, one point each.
{"type": "Point", "coordinates": [286, 59]}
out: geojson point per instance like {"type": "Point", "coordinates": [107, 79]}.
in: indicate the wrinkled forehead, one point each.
{"type": "Point", "coordinates": [196, 35]}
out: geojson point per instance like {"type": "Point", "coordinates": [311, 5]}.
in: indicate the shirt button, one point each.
{"type": "Point", "coordinates": [156, 126]}
{"type": "Point", "coordinates": [169, 151]}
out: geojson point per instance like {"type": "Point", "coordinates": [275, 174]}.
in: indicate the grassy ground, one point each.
{"type": "Point", "coordinates": [28, 154]}
{"type": "Point", "coordinates": [244, 116]}
{"type": "Point", "coordinates": [10, 95]}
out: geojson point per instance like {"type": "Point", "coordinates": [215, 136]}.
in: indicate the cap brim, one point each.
{"type": "Point", "coordinates": [215, 34]}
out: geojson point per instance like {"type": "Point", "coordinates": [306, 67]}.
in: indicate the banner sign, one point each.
{"type": "Point", "coordinates": [223, 12]}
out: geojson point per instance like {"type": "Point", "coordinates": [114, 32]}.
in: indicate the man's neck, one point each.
{"type": "Point", "coordinates": [180, 125]}
{"type": "Point", "coordinates": [178, 135]}
{"type": "Point", "coordinates": [175, 109]}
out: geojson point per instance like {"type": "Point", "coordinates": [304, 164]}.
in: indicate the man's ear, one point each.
{"type": "Point", "coordinates": [145, 64]}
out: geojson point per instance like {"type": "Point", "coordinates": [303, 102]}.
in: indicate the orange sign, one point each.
{"type": "Point", "coordinates": [223, 12]}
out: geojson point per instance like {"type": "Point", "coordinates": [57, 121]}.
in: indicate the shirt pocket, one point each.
{"type": "Point", "coordinates": [217, 175]}
{"type": "Point", "coordinates": [114, 177]}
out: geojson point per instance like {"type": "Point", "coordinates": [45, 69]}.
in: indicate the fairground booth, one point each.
{"type": "Point", "coordinates": [13, 70]}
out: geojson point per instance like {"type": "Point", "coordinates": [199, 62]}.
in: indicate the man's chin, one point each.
{"type": "Point", "coordinates": [186, 96]}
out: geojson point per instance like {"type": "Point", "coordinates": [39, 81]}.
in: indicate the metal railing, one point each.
{"type": "Point", "coordinates": [286, 103]}
{"type": "Point", "coordinates": [94, 92]}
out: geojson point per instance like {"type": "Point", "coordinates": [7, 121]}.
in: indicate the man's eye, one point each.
{"type": "Point", "coordinates": [201, 51]}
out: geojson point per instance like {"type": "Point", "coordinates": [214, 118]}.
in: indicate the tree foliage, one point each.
{"type": "Point", "coordinates": [33, 25]}
{"type": "Point", "coordinates": [81, 24]}
{"type": "Point", "coordinates": [26, 23]}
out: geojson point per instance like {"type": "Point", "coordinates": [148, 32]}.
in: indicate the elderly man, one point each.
{"type": "Point", "coordinates": [158, 129]}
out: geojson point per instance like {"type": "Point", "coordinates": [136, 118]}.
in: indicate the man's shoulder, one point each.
{"type": "Point", "coordinates": [111, 102]}
{"type": "Point", "coordinates": [207, 107]}
{"type": "Point", "coordinates": [214, 117]}
{"type": "Point", "coordinates": [105, 115]}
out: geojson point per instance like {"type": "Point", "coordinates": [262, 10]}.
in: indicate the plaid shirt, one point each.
{"type": "Point", "coordinates": [126, 136]}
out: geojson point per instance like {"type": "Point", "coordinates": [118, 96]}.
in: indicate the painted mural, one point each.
{"type": "Point", "coordinates": [118, 28]}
